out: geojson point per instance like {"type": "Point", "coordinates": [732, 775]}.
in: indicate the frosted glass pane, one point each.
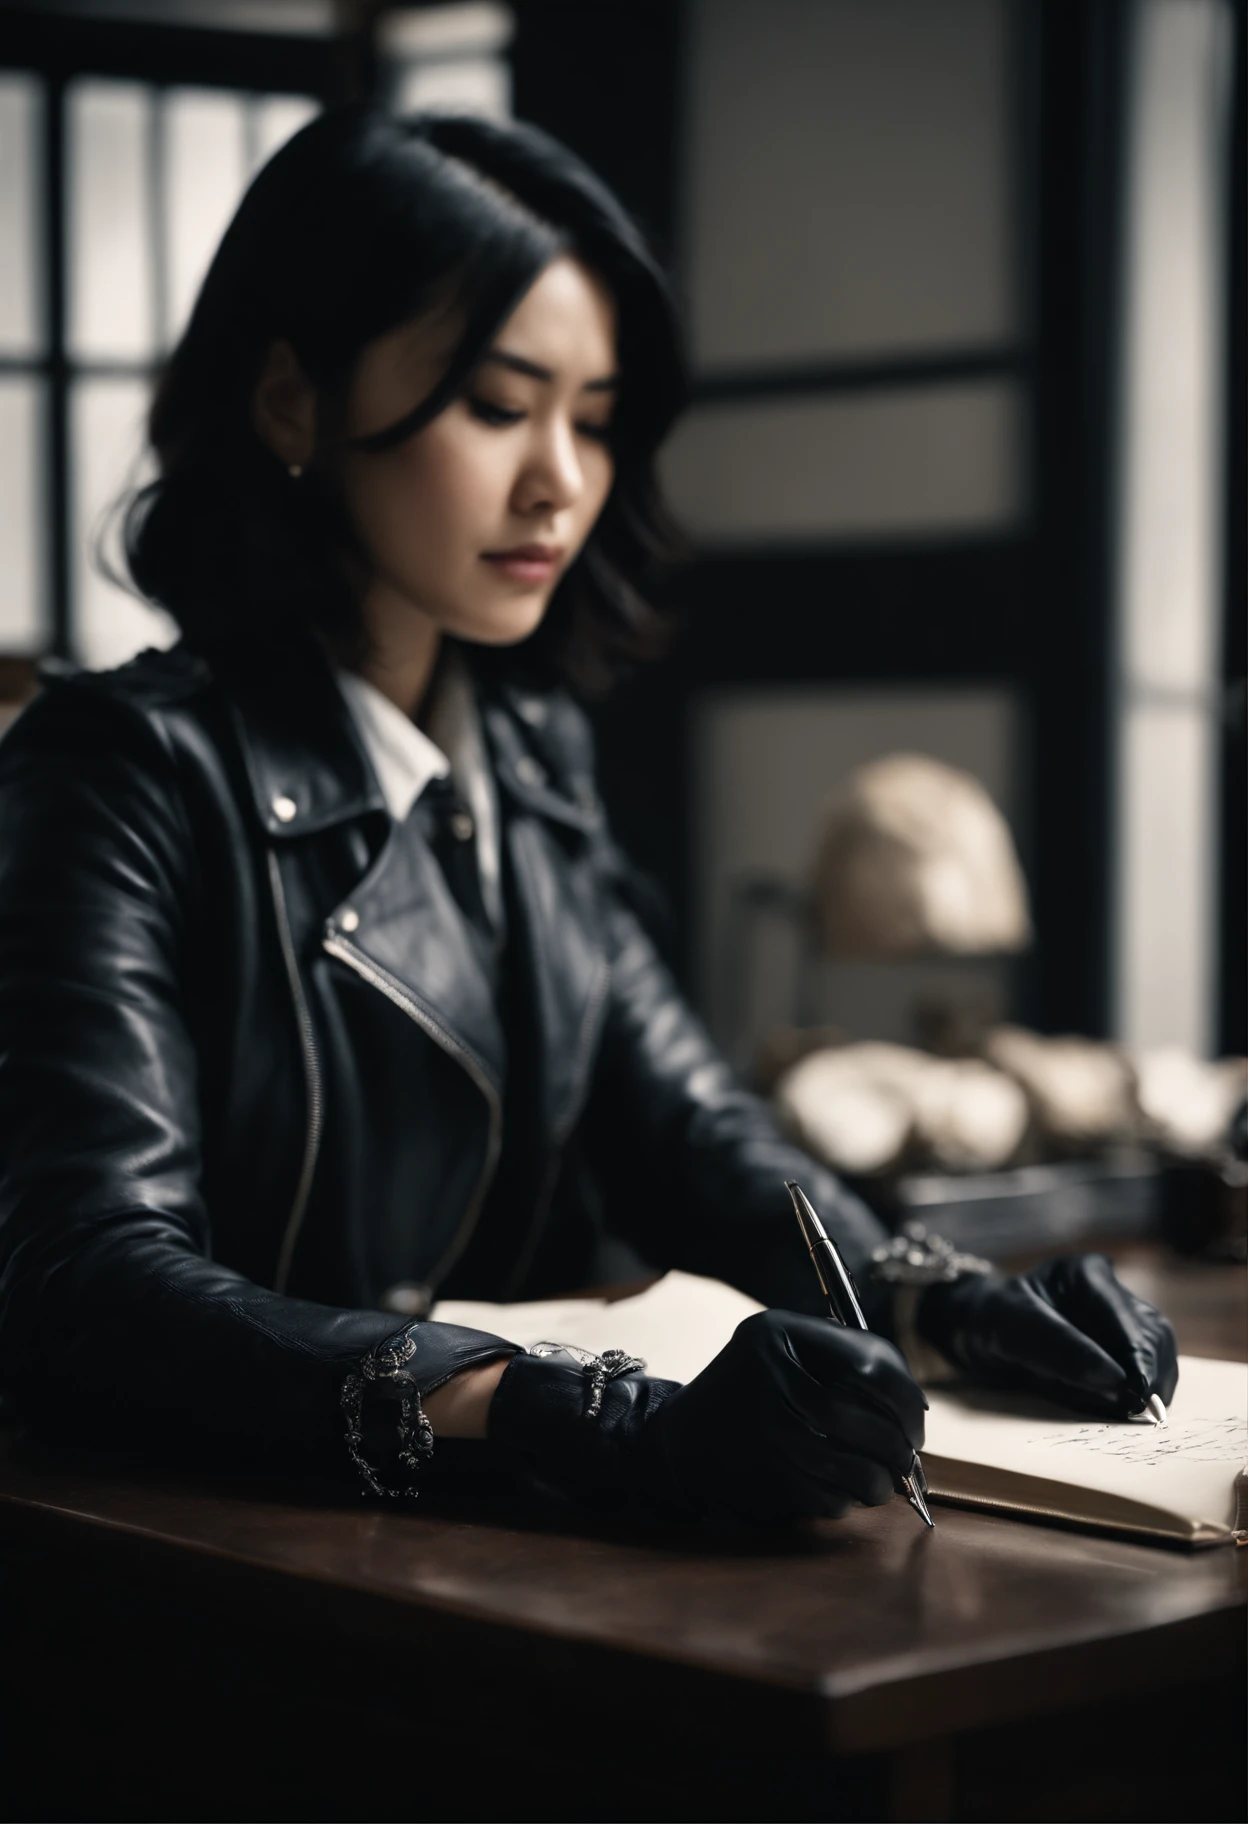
{"type": "Point", "coordinates": [850, 177]}
{"type": "Point", "coordinates": [110, 242]}
{"type": "Point", "coordinates": [1172, 429]}
{"type": "Point", "coordinates": [273, 119]}
{"type": "Point", "coordinates": [21, 112]}
{"type": "Point", "coordinates": [1165, 889]}
{"type": "Point", "coordinates": [476, 85]}
{"type": "Point", "coordinates": [466, 28]}
{"type": "Point", "coordinates": [1174, 362]}
{"type": "Point", "coordinates": [106, 426]}
{"type": "Point", "coordinates": [205, 140]}
{"type": "Point", "coordinates": [897, 463]}
{"type": "Point", "coordinates": [22, 543]}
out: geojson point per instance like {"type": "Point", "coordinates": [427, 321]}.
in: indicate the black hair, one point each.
{"type": "Point", "coordinates": [360, 222]}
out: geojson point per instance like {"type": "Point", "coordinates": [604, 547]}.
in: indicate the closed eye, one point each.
{"type": "Point", "coordinates": [487, 413]}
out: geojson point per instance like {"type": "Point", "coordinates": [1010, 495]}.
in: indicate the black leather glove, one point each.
{"type": "Point", "coordinates": [1068, 1330]}
{"type": "Point", "coordinates": [795, 1416]}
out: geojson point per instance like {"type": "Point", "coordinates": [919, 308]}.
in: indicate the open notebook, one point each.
{"type": "Point", "coordinates": [1003, 1452]}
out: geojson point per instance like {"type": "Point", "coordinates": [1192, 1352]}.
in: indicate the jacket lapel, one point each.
{"type": "Point", "coordinates": [305, 765]}
{"type": "Point", "coordinates": [399, 926]}
{"type": "Point", "coordinates": [308, 773]}
{"type": "Point", "coordinates": [403, 921]}
{"type": "Point", "coordinates": [556, 940]}
{"type": "Point", "coordinates": [555, 943]}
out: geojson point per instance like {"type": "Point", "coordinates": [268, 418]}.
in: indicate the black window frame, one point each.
{"type": "Point", "coordinates": [58, 50]}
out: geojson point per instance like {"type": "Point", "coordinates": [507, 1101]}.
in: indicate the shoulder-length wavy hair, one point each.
{"type": "Point", "coordinates": [360, 222]}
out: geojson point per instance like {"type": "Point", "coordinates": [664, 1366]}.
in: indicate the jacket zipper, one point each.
{"type": "Point", "coordinates": [312, 1082]}
{"type": "Point", "coordinates": [336, 945]}
{"type": "Point", "coordinates": [559, 1139]}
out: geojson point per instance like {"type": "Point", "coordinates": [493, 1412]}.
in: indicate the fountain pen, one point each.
{"type": "Point", "coordinates": [843, 1306]}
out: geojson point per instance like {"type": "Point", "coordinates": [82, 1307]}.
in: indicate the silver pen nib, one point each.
{"type": "Point", "coordinates": [915, 1485]}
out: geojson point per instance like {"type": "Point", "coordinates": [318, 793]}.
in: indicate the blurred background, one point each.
{"type": "Point", "coordinates": [963, 479]}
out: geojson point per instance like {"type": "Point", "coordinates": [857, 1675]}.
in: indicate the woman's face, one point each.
{"type": "Point", "coordinates": [471, 522]}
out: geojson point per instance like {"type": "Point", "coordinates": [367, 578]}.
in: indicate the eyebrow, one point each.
{"type": "Point", "coordinates": [532, 370]}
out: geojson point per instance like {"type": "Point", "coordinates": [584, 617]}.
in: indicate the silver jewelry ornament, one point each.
{"type": "Point", "coordinates": [415, 1431]}
{"type": "Point", "coordinates": [599, 1368]}
{"type": "Point", "coordinates": [915, 1258]}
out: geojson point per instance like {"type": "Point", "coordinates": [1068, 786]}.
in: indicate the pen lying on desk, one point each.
{"type": "Point", "coordinates": [838, 1289]}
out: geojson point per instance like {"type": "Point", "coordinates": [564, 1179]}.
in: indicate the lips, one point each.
{"type": "Point", "coordinates": [527, 563]}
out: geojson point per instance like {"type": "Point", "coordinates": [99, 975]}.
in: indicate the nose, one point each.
{"type": "Point", "coordinates": [552, 478]}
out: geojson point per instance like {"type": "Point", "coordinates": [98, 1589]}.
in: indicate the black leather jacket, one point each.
{"type": "Point", "coordinates": [252, 1074]}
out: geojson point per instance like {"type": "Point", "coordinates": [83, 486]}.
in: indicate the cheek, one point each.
{"type": "Point", "coordinates": [598, 468]}
{"type": "Point", "coordinates": [430, 502]}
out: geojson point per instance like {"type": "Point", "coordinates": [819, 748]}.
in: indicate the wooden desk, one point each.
{"type": "Point", "coordinates": [182, 1649]}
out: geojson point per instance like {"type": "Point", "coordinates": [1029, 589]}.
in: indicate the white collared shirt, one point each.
{"type": "Point", "coordinates": [405, 759]}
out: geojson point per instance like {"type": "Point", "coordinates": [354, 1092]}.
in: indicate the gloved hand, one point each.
{"type": "Point", "coordinates": [795, 1416]}
{"type": "Point", "coordinates": [1068, 1330]}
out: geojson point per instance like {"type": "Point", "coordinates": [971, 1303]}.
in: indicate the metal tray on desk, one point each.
{"type": "Point", "coordinates": [997, 1214]}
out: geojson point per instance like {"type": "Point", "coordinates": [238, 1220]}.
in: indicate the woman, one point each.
{"type": "Point", "coordinates": [323, 992]}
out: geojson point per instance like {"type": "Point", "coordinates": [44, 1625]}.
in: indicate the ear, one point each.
{"type": "Point", "coordinates": [283, 407]}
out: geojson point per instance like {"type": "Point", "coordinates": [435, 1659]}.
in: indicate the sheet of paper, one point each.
{"type": "Point", "coordinates": [1185, 1467]}
{"type": "Point", "coordinates": [676, 1326]}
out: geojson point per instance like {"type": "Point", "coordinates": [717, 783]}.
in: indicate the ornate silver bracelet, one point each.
{"type": "Point", "coordinates": [909, 1263]}
{"type": "Point", "coordinates": [915, 1258]}
{"type": "Point", "coordinates": [415, 1431]}
{"type": "Point", "coordinates": [599, 1368]}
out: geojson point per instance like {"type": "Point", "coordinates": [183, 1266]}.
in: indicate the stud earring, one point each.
{"type": "Point", "coordinates": [294, 470]}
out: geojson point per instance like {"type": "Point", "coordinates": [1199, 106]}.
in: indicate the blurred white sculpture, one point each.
{"type": "Point", "coordinates": [859, 1108]}
{"type": "Point", "coordinates": [968, 1116]}
{"type": "Point", "coordinates": [1082, 1092]}
{"type": "Point", "coordinates": [854, 1123]}
{"type": "Point", "coordinates": [917, 858]}
{"type": "Point", "coordinates": [1186, 1102]}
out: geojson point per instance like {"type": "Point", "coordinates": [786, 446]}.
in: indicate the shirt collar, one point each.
{"type": "Point", "coordinates": [404, 757]}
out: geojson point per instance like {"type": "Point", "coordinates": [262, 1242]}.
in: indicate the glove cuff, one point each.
{"type": "Point", "coordinates": [542, 1415]}
{"type": "Point", "coordinates": [921, 1269]}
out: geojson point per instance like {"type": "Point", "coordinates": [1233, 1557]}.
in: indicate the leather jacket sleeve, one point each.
{"type": "Point", "coordinates": [698, 1162]}
{"type": "Point", "coordinates": [114, 1319]}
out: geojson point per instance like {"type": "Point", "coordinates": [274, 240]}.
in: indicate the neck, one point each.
{"type": "Point", "coordinates": [403, 645]}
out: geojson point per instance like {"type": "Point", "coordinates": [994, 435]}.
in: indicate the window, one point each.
{"type": "Point", "coordinates": [854, 274]}
{"type": "Point", "coordinates": [126, 141]}
{"type": "Point", "coordinates": [24, 377]}
{"type": "Point", "coordinates": [113, 196]}
{"type": "Point", "coordinates": [1172, 429]}
{"type": "Point", "coordinates": [860, 330]}
{"type": "Point", "coordinates": [448, 59]}
{"type": "Point", "coordinates": [153, 177]}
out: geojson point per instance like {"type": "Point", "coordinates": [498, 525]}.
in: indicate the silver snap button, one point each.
{"type": "Point", "coordinates": [530, 771]}
{"type": "Point", "coordinates": [348, 919]}
{"type": "Point", "coordinates": [461, 826]}
{"type": "Point", "coordinates": [533, 710]}
{"type": "Point", "coordinates": [284, 809]}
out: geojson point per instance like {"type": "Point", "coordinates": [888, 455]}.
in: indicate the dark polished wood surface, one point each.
{"type": "Point", "coordinates": [858, 1661]}
{"type": "Point", "coordinates": [1205, 1303]}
